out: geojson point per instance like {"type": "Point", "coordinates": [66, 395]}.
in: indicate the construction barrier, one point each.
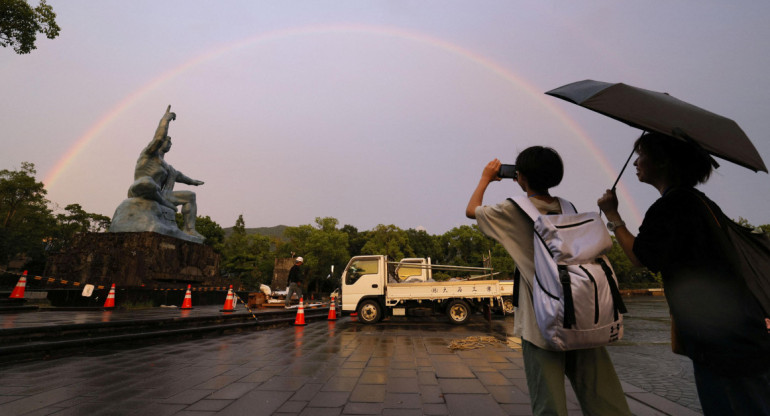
{"type": "Point", "coordinates": [228, 307]}
{"type": "Point", "coordinates": [332, 310]}
{"type": "Point", "coordinates": [18, 291]}
{"type": "Point", "coordinates": [187, 303]}
{"type": "Point", "coordinates": [300, 319]}
{"type": "Point", "coordinates": [110, 302]}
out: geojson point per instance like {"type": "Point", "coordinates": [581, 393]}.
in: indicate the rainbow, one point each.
{"type": "Point", "coordinates": [56, 171]}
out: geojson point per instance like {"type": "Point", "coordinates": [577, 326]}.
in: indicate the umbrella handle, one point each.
{"type": "Point", "coordinates": [614, 185]}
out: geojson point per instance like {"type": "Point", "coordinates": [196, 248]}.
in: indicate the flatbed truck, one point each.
{"type": "Point", "coordinates": [375, 288]}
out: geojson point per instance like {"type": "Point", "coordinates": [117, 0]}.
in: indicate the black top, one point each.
{"type": "Point", "coordinates": [295, 274]}
{"type": "Point", "coordinates": [720, 323]}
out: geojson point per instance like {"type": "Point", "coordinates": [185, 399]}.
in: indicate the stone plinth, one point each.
{"type": "Point", "coordinates": [139, 214]}
{"type": "Point", "coordinates": [135, 259]}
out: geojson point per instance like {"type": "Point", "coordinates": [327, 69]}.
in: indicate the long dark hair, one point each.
{"type": "Point", "coordinates": [683, 163]}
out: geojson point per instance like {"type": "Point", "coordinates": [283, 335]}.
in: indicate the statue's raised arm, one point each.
{"type": "Point", "coordinates": [161, 132]}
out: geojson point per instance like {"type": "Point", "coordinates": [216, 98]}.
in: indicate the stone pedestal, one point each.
{"type": "Point", "coordinates": [133, 259]}
{"type": "Point", "coordinates": [139, 214]}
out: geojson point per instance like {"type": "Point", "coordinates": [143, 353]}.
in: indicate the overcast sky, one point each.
{"type": "Point", "coordinates": [372, 112]}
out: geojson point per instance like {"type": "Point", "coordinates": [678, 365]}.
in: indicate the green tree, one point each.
{"type": "Point", "coordinates": [628, 275]}
{"type": "Point", "coordinates": [744, 222]}
{"type": "Point", "coordinates": [20, 23]}
{"type": "Point", "coordinates": [27, 222]}
{"type": "Point", "coordinates": [624, 269]}
{"type": "Point", "coordinates": [75, 220]}
{"type": "Point", "coordinates": [388, 240]}
{"type": "Point", "coordinates": [425, 245]}
{"type": "Point", "coordinates": [247, 257]}
{"type": "Point", "coordinates": [356, 239]}
{"type": "Point", "coordinates": [502, 262]}
{"type": "Point", "coordinates": [321, 246]}
{"type": "Point", "coordinates": [465, 246]}
{"type": "Point", "coordinates": [208, 228]}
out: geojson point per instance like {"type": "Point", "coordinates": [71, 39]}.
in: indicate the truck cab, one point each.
{"type": "Point", "coordinates": [363, 278]}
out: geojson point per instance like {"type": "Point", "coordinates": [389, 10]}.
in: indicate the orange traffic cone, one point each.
{"type": "Point", "coordinates": [187, 303]}
{"type": "Point", "coordinates": [18, 291]}
{"type": "Point", "coordinates": [228, 301]}
{"type": "Point", "coordinates": [300, 319]}
{"type": "Point", "coordinates": [333, 310]}
{"type": "Point", "coordinates": [110, 302]}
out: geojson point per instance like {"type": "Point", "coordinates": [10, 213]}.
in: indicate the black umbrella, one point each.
{"type": "Point", "coordinates": [662, 113]}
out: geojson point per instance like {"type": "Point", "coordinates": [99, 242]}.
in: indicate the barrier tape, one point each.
{"type": "Point", "coordinates": [102, 287]}
{"type": "Point", "coordinates": [247, 306]}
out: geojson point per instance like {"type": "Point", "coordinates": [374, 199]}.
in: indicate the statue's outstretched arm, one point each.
{"type": "Point", "coordinates": [182, 178]}
{"type": "Point", "coordinates": [161, 132]}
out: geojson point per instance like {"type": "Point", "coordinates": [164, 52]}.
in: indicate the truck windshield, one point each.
{"type": "Point", "coordinates": [361, 267]}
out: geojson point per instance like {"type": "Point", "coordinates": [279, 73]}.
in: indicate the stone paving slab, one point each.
{"type": "Point", "coordinates": [324, 368]}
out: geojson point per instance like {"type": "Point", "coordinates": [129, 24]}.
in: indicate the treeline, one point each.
{"type": "Point", "coordinates": [32, 228]}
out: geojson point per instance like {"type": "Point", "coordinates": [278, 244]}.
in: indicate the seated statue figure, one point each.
{"type": "Point", "coordinates": [154, 180]}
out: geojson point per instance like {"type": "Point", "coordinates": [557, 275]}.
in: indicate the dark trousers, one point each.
{"type": "Point", "coordinates": [724, 396]}
{"type": "Point", "coordinates": [293, 288]}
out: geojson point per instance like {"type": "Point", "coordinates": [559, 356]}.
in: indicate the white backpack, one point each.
{"type": "Point", "coordinates": [575, 292]}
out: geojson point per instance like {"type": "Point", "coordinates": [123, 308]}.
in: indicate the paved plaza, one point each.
{"type": "Point", "coordinates": [402, 367]}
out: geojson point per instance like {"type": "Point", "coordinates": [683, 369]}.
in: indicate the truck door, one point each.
{"type": "Point", "coordinates": [364, 276]}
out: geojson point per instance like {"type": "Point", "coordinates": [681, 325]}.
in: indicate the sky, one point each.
{"type": "Point", "coordinates": [372, 112]}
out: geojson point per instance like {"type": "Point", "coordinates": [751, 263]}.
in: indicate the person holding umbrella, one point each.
{"type": "Point", "coordinates": [719, 323]}
{"type": "Point", "coordinates": [590, 370]}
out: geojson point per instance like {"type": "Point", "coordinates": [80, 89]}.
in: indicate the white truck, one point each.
{"type": "Point", "coordinates": [375, 288]}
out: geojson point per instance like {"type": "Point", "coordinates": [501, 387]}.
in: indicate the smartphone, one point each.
{"type": "Point", "coordinates": [508, 171]}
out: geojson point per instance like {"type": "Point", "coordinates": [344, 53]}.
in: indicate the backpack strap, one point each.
{"type": "Point", "coordinates": [516, 287]}
{"type": "Point", "coordinates": [566, 206]}
{"type": "Point", "coordinates": [617, 299]}
{"type": "Point", "coordinates": [569, 304]}
{"type": "Point", "coordinates": [523, 202]}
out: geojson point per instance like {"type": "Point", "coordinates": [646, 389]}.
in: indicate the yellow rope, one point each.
{"type": "Point", "coordinates": [472, 343]}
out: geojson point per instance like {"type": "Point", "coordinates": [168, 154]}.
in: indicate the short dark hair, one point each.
{"type": "Point", "coordinates": [542, 167]}
{"type": "Point", "coordinates": [684, 163]}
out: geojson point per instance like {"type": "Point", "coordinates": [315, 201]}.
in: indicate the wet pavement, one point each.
{"type": "Point", "coordinates": [644, 358]}
{"type": "Point", "coordinates": [401, 367]}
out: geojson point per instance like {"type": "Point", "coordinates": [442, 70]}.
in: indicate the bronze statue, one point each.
{"type": "Point", "coordinates": [154, 180]}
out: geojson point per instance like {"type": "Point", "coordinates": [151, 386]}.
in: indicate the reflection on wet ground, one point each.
{"type": "Point", "coordinates": [644, 358]}
{"type": "Point", "coordinates": [403, 365]}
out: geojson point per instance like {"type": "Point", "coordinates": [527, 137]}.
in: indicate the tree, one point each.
{"type": "Point", "coordinates": [389, 240]}
{"type": "Point", "coordinates": [20, 23]}
{"type": "Point", "coordinates": [73, 221]}
{"type": "Point", "coordinates": [247, 257]}
{"type": "Point", "coordinates": [356, 240]}
{"type": "Point", "coordinates": [502, 262]}
{"type": "Point", "coordinates": [208, 228]}
{"type": "Point", "coordinates": [321, 246]}
{"type": "Point", "coordinates": [465, 246]}
{"type": "Point", "coordinates": [26, 222]}
{"type": "Point", "coordinates": [744, 222]}
{"type": "Point", "coordinates": [624, 269]}
{"type": "Point", "coordinates": [425, 245]}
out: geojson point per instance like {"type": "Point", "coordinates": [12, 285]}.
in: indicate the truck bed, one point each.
{"type": "Point", "coordinates": [443, 290]}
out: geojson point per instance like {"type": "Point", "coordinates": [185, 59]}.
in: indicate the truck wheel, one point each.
{"type": "Point", "coordinates": [508, 306]}
{"type": "Point", "coordinates": [369, 312]}
{"type": "Point", "coordinates": [458, 312]}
